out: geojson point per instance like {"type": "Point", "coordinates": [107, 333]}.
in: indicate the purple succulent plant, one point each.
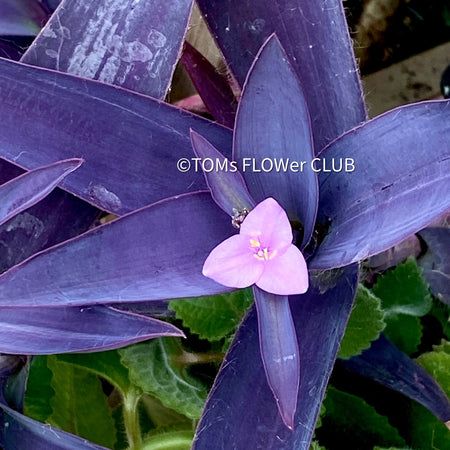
{"type": "Point", "coordinates": [301, 104]}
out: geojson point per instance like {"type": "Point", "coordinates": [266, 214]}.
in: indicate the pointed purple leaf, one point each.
{"type": "Point", "coordinates": [18, 432]}
{"type": "Point", "coordinates": [436, 263]}
{"type": "Point", "coordinates": [279, 351]}
{"type": "Point", "coordinates": [42, 331]}
{"type": "Point", "coordinates": [122, 42]}
{"type": "Point", "coordinates": [240, 412]}
{"type": "Point", "coordinates": [122, 136]}
{"type": "Point", "coordinates": [21, 17]}
{"type": "Point", "coordinates": [213, 87]}
{"type": "Point", "coordinates": [386, 364]}
{"type": "Point", "coordinates": [399, 185]}
{"type": "Point", "coordinates": [315, 37]}
{"type": "Point", "coordinates": [228, 188]}
{"type": "Point", "coordinates": [273, 124]}
{"type": "Point", "coordinates": [153, 254]}
{"type": "Point", "coordinates": [26, 190]}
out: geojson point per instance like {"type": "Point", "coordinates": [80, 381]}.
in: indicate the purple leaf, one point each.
{"type": "Point", "coordinates": [9, 50]}
{"type": "Point", "coordinates": [240, 412]}
{"type": "Point", "coordinates": [228, 188]}
{"type": "Point", "coordinates": [18, 432]}
{"type": "Point", "coordinates": [386, 364]}
{"type": "Point", "coordinates": [212, 86]}
{"type": "Point", "coordinates": [273, 124]}
{"type": "Point", "coordinates": [42, 331]}
{"type": "Point", "coordinates": [400, 183]}
{"type": "Point", "coordinates": [21, 17]}
{"type": "Point", "coordinates": [155, 253]}
{"type": "Point", "coordinates": [122, 136]}
{"type": "Point", "coordinates": [315, 37]}
{"type": "Point", "coordinates": [279, 351]}
{"type": "Point", "coordinates": [122, 42]}
{"type": "Point", "coordinates": [436, 263]}
{"type": "Point", "coordinates": [26, 190]}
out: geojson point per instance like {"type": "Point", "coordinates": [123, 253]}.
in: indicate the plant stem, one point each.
{"type": "Point", "coordinates": [131, 418]}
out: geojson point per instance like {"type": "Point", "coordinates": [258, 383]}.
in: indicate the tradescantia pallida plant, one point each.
{"type": "Point", "coordinates": [301, 99]}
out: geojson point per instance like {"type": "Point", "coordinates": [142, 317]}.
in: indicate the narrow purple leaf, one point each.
{"type": "Point", "coordinates": [131, 143]}
{"type": "Point", "coordinates": [279, 351]}
{"type": "Point", "coordinates": [315, 37]}
{"type": "Point", "coordinates": [272, 125]}
{"type": "Point", "coordinates": [386, 364]}
{"type": "Point", "coordinates": [21, 17]}
{"type": "Point", "coordinates": [240, 412]}
{"type": "Point", "coordinates": [43, 331]}
{"type": "Point", "coordinates": [122, 42]}
{"type": "Point", "coordinates": [436, 263]}
{"type": "Point", "coordinates": [213, 87]}
{"type": "Point", "coordinates": [228, 188]}
{"type": "Point", "coordinates": [153, 254]}
{"type": "Point", "coordinates": [26, 190]}
{"type": "Point", "coordinates": [18, 432]}
{"type": "Point", "coordinates": [400, 182]}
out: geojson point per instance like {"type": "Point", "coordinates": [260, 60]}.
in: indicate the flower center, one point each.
{"type": "Point", "coordinates": [261, 253]}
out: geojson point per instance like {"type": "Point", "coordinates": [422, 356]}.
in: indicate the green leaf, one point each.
{"type": "Point", "coordinates": [213, 317]}
{"type": "Point", "coordinates": [158, 368]}
{"type": "Point", "coordinates": [437, 364]}
{"type": "Point", "coordinates": [79, 405]}
{"type": "Point", "coordinates": [404, 331]}
{"type": "Point", "coordinates": [350, 419]}
{"type": "Point", "coordinates": [403, 290]}
{"type": "Point", "coordinates": [427, 432]}
{"type": "Point", "coordinates": [364, 326]}
{"type": "Point", "coordinates": [39, 391]}
{"type": "Point", "coordinates": [169, 440]}
{"type": "Point", "coordinates": [106, 364]}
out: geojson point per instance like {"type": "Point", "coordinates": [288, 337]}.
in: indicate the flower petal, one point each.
{"type": "Point", "coordinates": [232, 263]}
{"type": "Point", "coordinates": [270, 220]}
{"type": "Point", "coordinates": [286, 274]}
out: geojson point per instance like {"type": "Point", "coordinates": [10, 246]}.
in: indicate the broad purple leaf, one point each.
{"type": "Point", "coordinates": [273, 124]}
{"type": "Point", "coordinates": [399, 185]}
{"type": "Point", "coordinates": [213, 87]}
{"type": "Point", "coordinates": [131, 143]}
{"type": "Point", "coordinates": [279, 351]}
{"type": "Point", "coordinates": [386, 364]}
{"type": "Point", "coordinates": [436, 263]}
{"type": "Point", "coordinates": [228, 188]}
{"type": "Point", "coordinates": [315, 37]}
{"type": "Point", "coordinates": [18, 432]}
{"type": "Point", "coordinates": [122, 42]}
{"type": "Point", "coordinates": [21, 17]}
{"type": "Point", "coordinates": [57, 217]}
{"type": "Point", "coordinates": [26, 190]}
{"type": "Point", "coordinates": [155, 253]}
{"type": "Point", "coordinates": [241, 412]}
{"type": "Point", "coordinates": [42, 331]}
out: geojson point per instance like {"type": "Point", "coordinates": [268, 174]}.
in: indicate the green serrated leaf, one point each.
{"type": "Point", "coordinates": [213, 317]}
{"type": "Point", "coordinates": [106, 364]}
{"type": "Point", "coordinates": [437, 364]}
{"type": "Point", "coordinates": [403, 290]}
{"type": "Point", "coordinates": [364, 326]}
{"type": "Point", "coordinates": [350, 419]}
{"type": "Point", "coordinates": [316, 446]}
{"type": "Point", "coordinates": [405, 332]}
{"type": "Point", "coordinates": [39, 391]}
{"type": "Point", "coordinates": [157, 368]}
{"type": "Point", "coordinates": [79, 405]}
{"type": "Point", "coordinates": [441, 312]}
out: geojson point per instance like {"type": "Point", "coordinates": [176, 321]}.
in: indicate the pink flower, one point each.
{"type": "Point", "coordinates": [262, 254]}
